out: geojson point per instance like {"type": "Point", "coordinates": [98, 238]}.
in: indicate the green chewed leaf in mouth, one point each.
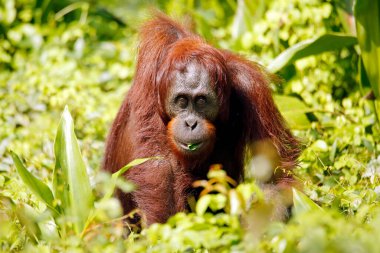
{"type": "Point", "coordinates": [193, 146]}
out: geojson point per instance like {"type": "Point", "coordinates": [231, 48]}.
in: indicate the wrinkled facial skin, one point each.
{"type": "Point", "coordinates": [192, 105]}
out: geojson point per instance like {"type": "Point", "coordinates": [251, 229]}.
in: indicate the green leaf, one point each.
{"type": "Point", "coordinates": [193, 146]}
{"type": "Point", "coordinates": [367, 16]}
{"type": "Point", "coordinates": [345, 13]}
{"type": "Point", "coordinates": [323, 43]}
{"type": "Point", "coordinates": [320, 146]}
{"type": "Point", "coordinates": [293, 111]}
{"type": "Point", "coordinates": [115, 181]}
{"type": "Point", "coordinates": [236, 202]}
{"type": "Point", "coordinates": [28, 217]}
{"type": "Point", "coordinates": [10, 12]}
{"type": "Point", "coordinates": [39, 188]}
{"type": "Point", "coordinates": [118, 173]}
{"type": "Point", "coordinates": [303, 203]}
{"type": "Point", "coordinates": [218, 202]}
{"type": "Point", "coordinates": [246, 14]}
{"type": "Point", "coordinates": [363, 78]}
{"type": "Point", "coordinates": [130, 165]}
{"type": "Point", "coordinates": [202, 204]}
{"type": "Point", "coordinates": [71, 182]}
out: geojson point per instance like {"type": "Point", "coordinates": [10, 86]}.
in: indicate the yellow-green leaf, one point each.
{"type": "Point", "coordinates": [71, 182]}
{"type": "Point", "coordinates": [293, 111]}
{"type": "Point", "coordinates": [118, 173]}
{"type": "Point", "coordinates": [303, 203]}
{"type": "Point", "coordinates": [202, 204]}
{"type": "Point", "coordinates": [39, 188]}
{"type": "Point", "coordinates": [367, 17]}
{"type": "Point", "coordinates": [130, 165]}
{"type": "Point", "coordinates": [324, 43]}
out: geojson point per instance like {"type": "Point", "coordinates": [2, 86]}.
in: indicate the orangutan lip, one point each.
{"type": "Point", "coordinates": [190, 146]}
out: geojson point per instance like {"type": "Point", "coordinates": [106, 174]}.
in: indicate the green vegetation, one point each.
{"type": "Point", "coordinates": [82, 54]}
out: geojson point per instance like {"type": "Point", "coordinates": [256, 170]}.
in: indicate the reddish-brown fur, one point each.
{"type": "Point", "coordinates": [247, 114]}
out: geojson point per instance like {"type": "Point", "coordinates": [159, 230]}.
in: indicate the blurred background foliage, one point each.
{"type": "Point", "coordinates": [83, 53]}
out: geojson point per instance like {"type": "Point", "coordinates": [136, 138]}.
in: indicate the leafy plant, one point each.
{"type": "Point", "coordinates": [220, 193]}
{"type": "Point", "coordinates": [73, 199]}
{"type": "Point", "coordinates": [71, 183]}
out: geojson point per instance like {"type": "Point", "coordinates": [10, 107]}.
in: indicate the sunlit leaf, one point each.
{"type": "Point", "coordinates": [28, 217]}
{"type": "Point", "coordinates": [236, 202]}
{"type": "Point", "coordinates": [130, 165]}
{"type": "Point", "coordinates": [120, 172]}
{"type": "Point", "coordinates": [246, 13]}
{"type": "Point", "coordinates": [345, 13]}
{"type": "Point", "coordinates": [320, 146]}
{"type": "Point", "coordinates": [10, 11]}
{"type": "Point", "coordinates": [71, 182]}
{"type": "Point", "coordinates": [218, 202]}
{"type": "Point", "coordinates": [303, 203]}
{"type": "Point", "coordinates": [202, 204]}
{"type": "Point", "coordinates": [367, 16]}
{"type": "Point", "coordinates": [39, 188]}
{"type": "Point", "coordinates": [323, 43]}
{"type": "Point", "coordinates": [293, 111]}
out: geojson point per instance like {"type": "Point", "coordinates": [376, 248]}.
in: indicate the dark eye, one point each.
{"type": "Point", "coordinates": [200, 101]}
{"type": "Point", "coordinates": [181, 101]}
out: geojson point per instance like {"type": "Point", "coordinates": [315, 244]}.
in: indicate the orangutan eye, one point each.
{"type": "Point", "coordinates": [200, 101]}
{"type": "Point", "coordinates": [182, 102]}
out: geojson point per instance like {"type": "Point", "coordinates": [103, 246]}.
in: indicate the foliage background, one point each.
{"type": "Point", "coordinates": [82, 54]}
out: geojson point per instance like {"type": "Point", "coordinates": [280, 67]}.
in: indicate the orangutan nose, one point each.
{"type": "Point", "coordinates": [191, 123]}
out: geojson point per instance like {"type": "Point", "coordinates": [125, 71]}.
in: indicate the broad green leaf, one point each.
{"type": "Point", "coordinates": [323, 43]}
{"type": "Point", "coordinates": [293, 111]}
{"type": "Point", "coordinates": [71, 182]}
{"type": "Point", "coordinates": [367, 16]}
{"type": "Point", "coordinates": [303, 203]}
{"type": "Point", "coordinates": [202, 204]}
{"type": "Point", "coordinates": [218, 202]}
{"type": "Point", "coordinates": [39, 188]}
{"type": "Point", "coordinates": [363, 78]}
